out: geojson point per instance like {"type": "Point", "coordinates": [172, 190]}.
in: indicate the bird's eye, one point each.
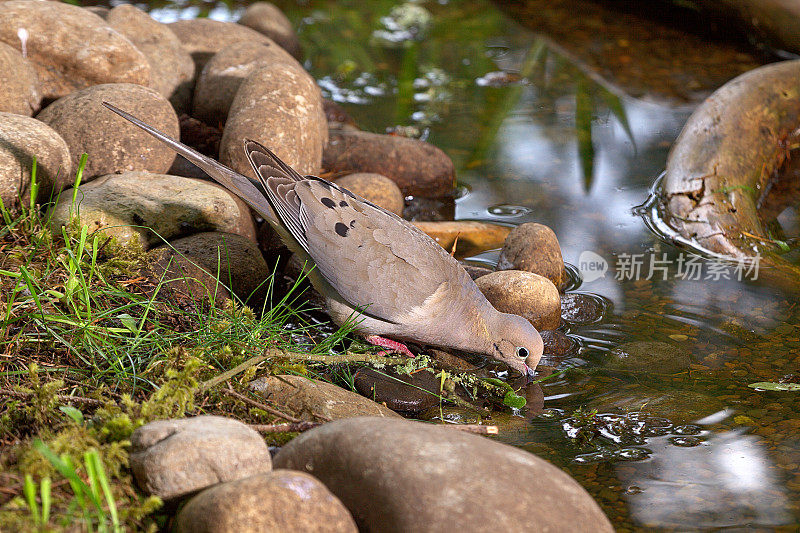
{"type": "Point", "coordinates": [522, 352]}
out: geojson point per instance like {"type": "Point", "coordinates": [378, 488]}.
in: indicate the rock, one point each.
{"type": "Point", "coordinates": [534, 248]}
{"type": "Point", "coordinates": [126, 205]}
{"type": "Point", "coordinates": [378, 189]}
{"type": "Point", "coordinates": [523, 293]}
{"type": "Point", "coordinates": [397, 475]}
{"type": "Point", "coordinates": [308, 399]}
{"type": "Point", "coordinates": [677, 405]}
{"type": "Point", "coordinates": [279, 106]}
{"type": "Point", "coordinates": [235, 260]}
{"type": "Point", "coordinates": [113, 144]}
{"type": "Point", "coordinates": [267, 19]}
{"type": "Point", "coordinates": [399, 392]}
{"type": "Point", "coordinates": [557, 343]}
{"type": "Point", "coordinates": [418, 168]}
{"type": "Point", "coordinates": [282, 500]}
{"type": "Point", "coordinates": [650, 357]}
{"type": "Point", "coordinates": [100, 11]}
{"type": "Point", "coordinates": [581, 309]}
{"type": "Point", "coordinates": [204, 37]}
{"type": "Point", "coordinates": [476, 271]}
{"type": "Point", "coordinates": [173, 458]}
{"type": "Point", "coordinates": [200, 136]}
{"type": "Point", "coordinates": [336, 115]}
{"type": "Point", "coordinates": [171, 66]}
{"type": "Point", "coordinates": [472, 237]}
{"type": "Point", "coordinates": [451, 414]}
{"type": "Point", "coordinates": [19, 85]}
{"type": "Point", "coordinates": [448, 361]}
{"type": "Point", "coordinates": [21, 139]}
{"type": "Point", "coordinates": [71, 48]}
{"type": "Point", "coordinates": [226, 71]}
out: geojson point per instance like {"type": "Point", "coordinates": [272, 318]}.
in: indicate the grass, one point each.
{"type": "Point", "coordinates": [93, 344]}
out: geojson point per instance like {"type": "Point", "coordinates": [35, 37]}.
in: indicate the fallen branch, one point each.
{"type": "Point", "coordinates": [258, 405]}
{"type": "Point", "coordinates": [294, 427]}
{"type": "Point", "coordinates": [276, 353]}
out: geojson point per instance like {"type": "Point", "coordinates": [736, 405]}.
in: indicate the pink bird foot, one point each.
{"type": "Point", "coordinates": [393, 346]}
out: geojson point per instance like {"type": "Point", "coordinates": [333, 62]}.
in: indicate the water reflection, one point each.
{"type": "Point", "coordinates": [728, 480]}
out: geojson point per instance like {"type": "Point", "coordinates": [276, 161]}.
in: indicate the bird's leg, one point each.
{"type": "Point", "coordinates": [393, 346]}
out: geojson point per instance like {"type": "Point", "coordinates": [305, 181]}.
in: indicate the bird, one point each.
{"type": "Point", "coordinates": [373, 268]}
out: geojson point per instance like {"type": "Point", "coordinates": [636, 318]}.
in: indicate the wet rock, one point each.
{"type": "Point", "coordinates": [337, 117]}
{"type": "Point", "coordinates": [557, 343]}
{"type": "Point", "coordinates": [113, 144]}
{"type": "Point", "coordinates": [173, 458]}
{"type": "Point", "coordinates": [418, 168]}
{"type": "Point", "coordinates": [171, 66]}
{"type": "Point", "coordinates": [126, 205]}
{"type": "Point", "coordinates": [648, 356]}
{"type": "Point", "coordinates": [399, 392]}
{"type": "Point", "coordinates": [21, 139]}
{"type": "Point", "coordinates": [523, 293]}
{"type": "Point", "coordinates": [204, 37]}
{"type": "Point", "coordinates": [579, 308]}
{"type": "Point", "coordinates": [677, 405]}
{"type": "Point", "coordinates": [226, 71]}
{"type": "Point", "coordinates": [451, 414]}
{"type": "Point", "coordinates": [534, 248]}
{"type": "Point", "coordinates": [309, 399]}
{"type": "Point", "coordinates": [470, 237]}
{"type": "Point", "coordinates": [202, 257]}
{"type": "Point", "coordinates": [282, 500]}
{"type": "Point", "coordinates": [476, 271]}
{"type": "Point", "coordinates": [71, 48]}
{"type": "Point", "coordinates": [449, 361]}
{"type": "Point", "coordinates": [19, 85]}
{"type": "Point", "coordinates": [266, 18]}
{"type": "Point", "coordinates": [279, 106]}
{"type": "Point", "coordinates": [359, 460]}
{"type": "Point", "coordinates": [378, 189]}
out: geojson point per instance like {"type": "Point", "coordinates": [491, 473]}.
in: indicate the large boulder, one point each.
{"type": "Point", "coordinates": [418, 168]}
{"type": "Point", "coordinates": [21, 139]}
{"type": "Point", "coordinates": [203, 37]}
{"type": "Point", "coordinates": [266, 18]}
{"type": "Point", "coordinates": [173, 458]}
{"type": "Point", "coordinates": [226, 71]}
{"type": "Point", "coordinates": [113, 144]}
{"type": "Point", "coordinates": [280, 106]}
{"type": "Point", "coordinates": [143, 208]}
{"type": "Point", "coordinates": [282, 500]}
{"type": "Point", "coordinates": [396, 475]}
{"type": "Point", "coordinates": [70, 47]}
{"type": "Point", "coordinates": [171, 66]}
{"type": "Point", "coordinates": [19, 85]}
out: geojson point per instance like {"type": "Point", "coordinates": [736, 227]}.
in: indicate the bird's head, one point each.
{"type": "Point", "coordinates": [516, 343]}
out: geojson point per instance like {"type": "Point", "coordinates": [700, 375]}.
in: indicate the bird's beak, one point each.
{"type": "Point", "coordinates": [530, 373]}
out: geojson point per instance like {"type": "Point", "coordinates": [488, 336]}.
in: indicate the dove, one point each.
{"type": "Point", "coordinates": [373, 268]}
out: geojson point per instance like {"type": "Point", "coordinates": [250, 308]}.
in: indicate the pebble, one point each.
{"type": "Point", "coordinates": [529, 295]}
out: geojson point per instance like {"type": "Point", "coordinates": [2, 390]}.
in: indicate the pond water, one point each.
{"type": "Point", "coordinates": [537, 136]}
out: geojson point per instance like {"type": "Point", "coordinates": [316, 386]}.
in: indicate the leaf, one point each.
{"type": "Point", "coordinates": [769, 385]}
{"type": "Point", "coordinates": [512, 399]}
{"type": "Point", "coordinates": [129, 322]}
{"type": "Point", "coordinates": [73, 413]}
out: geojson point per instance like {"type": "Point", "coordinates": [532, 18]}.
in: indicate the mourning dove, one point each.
{"type": "Point", "coordinates": [373, 268]}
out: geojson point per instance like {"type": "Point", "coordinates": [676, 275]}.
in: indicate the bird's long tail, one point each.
{"type": "Point", "coordinates": [238, 184]}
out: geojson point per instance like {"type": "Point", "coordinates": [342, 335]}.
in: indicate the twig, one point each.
{"type": "Point", "coordinates": [258, 405]}
{"type": "Point", "coordinates": [92, 402]}
{"type": "Point", "coordinates": [474, 428]}
{"type": "Point", "coordinates": [295, 427]}
{"type": "Point", "coordinates": [277, 353]}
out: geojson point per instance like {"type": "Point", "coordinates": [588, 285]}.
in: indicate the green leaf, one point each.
{"type": "Point", "coordinates": [769, 385]}
{"type": "Point", "coordinates": [129, 322]}
{"type": "Point", "coordinates": [73, 413]}
{"type": "Point", "coordinates": [512, 399]}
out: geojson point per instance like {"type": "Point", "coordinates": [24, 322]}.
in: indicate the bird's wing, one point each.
{"type": "Point", "coordinates": [375, 260]}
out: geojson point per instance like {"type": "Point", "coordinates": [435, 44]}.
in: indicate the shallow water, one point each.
{"type": "Point", "coordinates": [536, 139]}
